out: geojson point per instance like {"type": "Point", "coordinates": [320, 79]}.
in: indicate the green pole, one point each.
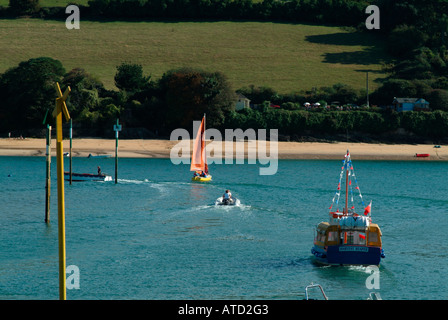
{"type": "Point", "coordinates": [116, 128]}
{"type": "Point", "coordinates": [71, 135]}
{"type": "Point", "coordinates": [48, 175]}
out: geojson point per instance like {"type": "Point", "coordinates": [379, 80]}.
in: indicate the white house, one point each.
{"type": "Point", "coordinates": [242, 102]}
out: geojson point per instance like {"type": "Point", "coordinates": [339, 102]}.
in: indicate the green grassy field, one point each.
{"type": "Point", "coordinates": [286, 57]}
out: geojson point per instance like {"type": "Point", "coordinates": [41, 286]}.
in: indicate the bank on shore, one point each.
{"type": "Point", "coordinates": [140, 148]}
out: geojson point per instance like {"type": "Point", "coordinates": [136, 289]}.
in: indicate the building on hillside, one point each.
{"type": "Point", "coordinates": [242, 102]}
{"type": "Point", "coordinates": [410, 104]}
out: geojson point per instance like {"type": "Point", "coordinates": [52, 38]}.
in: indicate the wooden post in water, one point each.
{"type": "Point", "coordinates": [70, 154]}
{"type": "Point", "coordinates": [61, 108]}
{"type": "Point", "coordinates": [117, 128]}
{"type": "Point", "coordinates": [48, 175]}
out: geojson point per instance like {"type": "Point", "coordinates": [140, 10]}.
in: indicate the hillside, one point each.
{"type": "Point", "coordinates": [285, 57]}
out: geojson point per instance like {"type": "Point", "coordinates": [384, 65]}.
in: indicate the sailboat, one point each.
{"type": "Point", "coordinates": [199, 157]}
{"type": "Point", "coordinates": [348, 238]}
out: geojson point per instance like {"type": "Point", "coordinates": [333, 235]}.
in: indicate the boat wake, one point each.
{"type": "Point", "coordinates": [130, 181]}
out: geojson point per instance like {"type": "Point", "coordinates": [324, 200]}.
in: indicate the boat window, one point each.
{"type": "Point", "coordinates": [350, 238]}
{"type": "Point", "coordinates": [373, 237]}
{"type": "Point", "coordinates": [332, 236]}
{"type": "Point", "coordinates": [347, 237]}
{"type": "Point", "coordinates": [321, 237]}
{"type": "Point", "coordinates": [353, 237]}
{"type": "Point", "coordinates": [360, 238]}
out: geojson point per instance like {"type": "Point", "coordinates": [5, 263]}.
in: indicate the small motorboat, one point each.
{"type": "Point", "coordinates": [87, 177]}
{"type": "Point", "coordinates": [227, 202]}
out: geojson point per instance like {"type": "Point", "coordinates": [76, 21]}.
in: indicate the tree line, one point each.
{"type": "Point", "coordinates": [339, 12]}
{"type": "Point", "coordinates": [150, 108]}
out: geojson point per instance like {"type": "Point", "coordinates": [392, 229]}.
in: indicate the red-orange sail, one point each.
{"type": "Point", "coordinates": [198, 158]}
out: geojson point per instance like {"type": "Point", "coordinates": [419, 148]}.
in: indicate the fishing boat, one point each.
{"type": "Point", "coordinates": [87, 177]}
{"type": "Point", "coordinates": [199, 157]}
{"type": "Point", "coordinates": [348, 238]}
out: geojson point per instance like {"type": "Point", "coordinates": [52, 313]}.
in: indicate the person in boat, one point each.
{"type": "Point", "coordinates": [196, 174]}
{"type": "Point", "coordinates": [99, 170]}
{"type": "Point", "coordinates": [203, 174]}
{"type": "Point", "coordinates": [227, 196]}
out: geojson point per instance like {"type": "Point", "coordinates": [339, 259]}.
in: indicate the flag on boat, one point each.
{"type": "Point", "coordinates": [198, 158]}
{"type": "Point", "coordinates": [368, 208]}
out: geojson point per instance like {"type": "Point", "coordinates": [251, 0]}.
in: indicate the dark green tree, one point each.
{"type": "Point", "coordinates": [438, 99]}
{"type": "Point", "coordinates": [344, 94]}
{"type": "Point", "coordinates": [404, 39]}
{"type": "Point", "coordinates": [24, 7]}
{"type": "Point", "coordinates": [188, 94]}
{"type": "Point", "coordinates": [27, 92]}
{"type": "Point", "coordinates": [129, 77]}
{"type": "Point", "coordinates": [85, 91]}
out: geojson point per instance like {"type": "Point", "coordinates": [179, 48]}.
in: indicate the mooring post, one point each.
{"type": "Point", "coordinates": [117, 128]}
{"type": "Point", "coordinates": [48, 175]}
{"type": "Point", "coordinates": [70, 153]}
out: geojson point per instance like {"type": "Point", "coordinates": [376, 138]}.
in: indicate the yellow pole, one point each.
{"type": "Point", "coordinates": [60, 109]}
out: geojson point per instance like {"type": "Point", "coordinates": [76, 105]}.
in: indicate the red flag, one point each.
{"type": "Point", "coordinates": [362, 236]}
{"type": "Point", "coordinates": [368, 208]}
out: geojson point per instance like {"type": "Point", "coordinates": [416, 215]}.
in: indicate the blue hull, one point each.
{"type": "Point", "coordinates": [349, 255]}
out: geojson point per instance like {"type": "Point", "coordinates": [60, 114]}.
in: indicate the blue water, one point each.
{"type": "Point", "coordinates": [156, 235]}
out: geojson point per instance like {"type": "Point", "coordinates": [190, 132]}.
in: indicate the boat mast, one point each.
{"type": "Point", "coordinates": [346, 181]}
{"type": "Point", "coordinates": [205, 151]}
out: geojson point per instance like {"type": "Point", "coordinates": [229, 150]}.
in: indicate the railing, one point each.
{"type": "Point", "coordinates": [315, 286]}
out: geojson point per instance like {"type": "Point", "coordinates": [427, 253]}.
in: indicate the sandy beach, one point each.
{"type": "Point", "coordinates": [286, 150]}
